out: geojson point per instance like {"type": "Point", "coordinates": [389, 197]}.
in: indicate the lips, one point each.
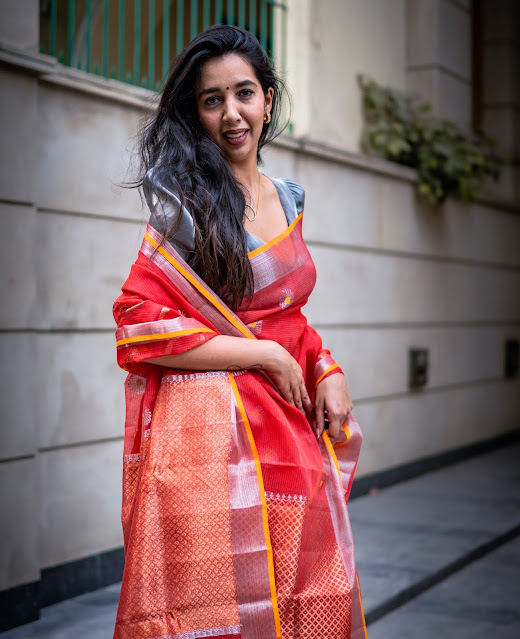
{"type": "Point", "coordinates": [235, 136]}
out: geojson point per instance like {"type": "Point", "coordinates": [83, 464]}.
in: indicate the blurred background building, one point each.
{"type": "Point", "coordinates": [393, 273]}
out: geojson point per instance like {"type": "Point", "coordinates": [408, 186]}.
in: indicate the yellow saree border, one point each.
{"type": "Point", "coordinates": [332, 453]}
{"type": "Point", "coordinates": [277, 239]}
{"type": "Point", "coordinates": [159, 336]}
{"type": "Point", "coordinates": [347, 432]}
{"type": "Point", "coordinates": [330, 368]}
{"type": "Point", "coordinates": [361, 606]}
{"type": "Point", "coordinates": [270, 562]}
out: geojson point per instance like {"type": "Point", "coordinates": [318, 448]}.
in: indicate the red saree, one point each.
{"type": "Point", "coordinates": [234, 517]}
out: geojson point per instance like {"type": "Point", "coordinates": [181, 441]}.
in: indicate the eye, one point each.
{"type": "Point", "coordinates": [246, 93]}
{"type": "Point", "coordinates": [211, 100]}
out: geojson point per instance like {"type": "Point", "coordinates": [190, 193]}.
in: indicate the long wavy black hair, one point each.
{"type": "Point", "coordinates": [186, 161]}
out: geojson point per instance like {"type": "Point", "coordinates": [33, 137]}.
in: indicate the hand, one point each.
{"type": "Point", "coordinates": [287, 375]}
{"type": "Point", "coordinates": [333, 396]}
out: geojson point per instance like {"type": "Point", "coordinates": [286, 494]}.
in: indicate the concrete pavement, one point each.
{"type": "Point", "coordinates": [438, 555]}
{"type": "Point", "coordinates": [431, 549]}
{"type": "Point", "coordinates": [482, 601]}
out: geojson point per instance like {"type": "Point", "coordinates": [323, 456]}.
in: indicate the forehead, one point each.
{"type": "Point", "coordinates": [226, 70]}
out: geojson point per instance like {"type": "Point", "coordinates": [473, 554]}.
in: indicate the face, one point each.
{"type": "Point", "coordinates": [231, 106]}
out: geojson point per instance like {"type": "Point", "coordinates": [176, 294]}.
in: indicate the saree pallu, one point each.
{"type": "Point", "coordinates": [234, 516]}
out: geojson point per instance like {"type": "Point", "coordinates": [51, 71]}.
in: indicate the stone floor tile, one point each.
{"type": "Point", "coordinates": [482, 601]}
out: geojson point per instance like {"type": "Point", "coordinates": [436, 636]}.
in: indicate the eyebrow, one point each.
{"type": "Point", "coordinates": [238, 85]}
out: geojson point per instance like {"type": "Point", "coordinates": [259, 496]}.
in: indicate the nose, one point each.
{"type": "Point", "coordinates": [231, 112]}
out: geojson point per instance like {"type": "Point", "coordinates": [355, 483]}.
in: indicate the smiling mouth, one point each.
{"type": "Point", "coordinates": [236, 137]}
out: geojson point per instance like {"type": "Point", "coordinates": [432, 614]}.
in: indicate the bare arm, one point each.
{"type": "Point", "coordinates": [225, 352]}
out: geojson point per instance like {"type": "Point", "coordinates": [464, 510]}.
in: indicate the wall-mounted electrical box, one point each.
{"type": "Point", "coordinates": [418, 373]}
{"type": "Point", "coordinates": [511, 358]}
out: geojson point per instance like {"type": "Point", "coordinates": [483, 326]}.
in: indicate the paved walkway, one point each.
{"type": "Point", "coordinates": [438, 556]}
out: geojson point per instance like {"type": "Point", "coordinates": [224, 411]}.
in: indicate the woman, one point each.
{"type": "Point", "coordinates": [234, 501]}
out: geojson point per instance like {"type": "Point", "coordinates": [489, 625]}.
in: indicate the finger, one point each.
{"type": "Point", "coordinates": [334, 425]}
{"type": "Point", "coordinates": [297, 396]}
{"type": "Point", "coordinates": [320, 417]}
{"type": "Point", "coordinates": [342, 437]}
{"type": "Point", "coordinates": [307, 404]}
{"type": "Point", "coordinates": [287, 394]}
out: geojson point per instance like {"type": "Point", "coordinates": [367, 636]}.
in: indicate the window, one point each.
{"type": "Point", "coordinates": [135, 40]}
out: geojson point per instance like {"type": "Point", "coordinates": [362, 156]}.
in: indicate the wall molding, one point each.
{"type": "Point", "coordinates": [77, 577]}
{"type": "Point", "coordinates": [410, 255]}
{"type": "Point", "coordinates": [49, 71]}
{"type": "Point", "coordinates": [22, 604]}
{"type": "Point", "coordinates": [322, 151]}
{"type": "Point", "coordinates": [433, 66]}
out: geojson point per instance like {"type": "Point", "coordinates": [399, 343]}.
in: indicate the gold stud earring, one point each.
{"type": "Point", "coordinates": [267, 118]}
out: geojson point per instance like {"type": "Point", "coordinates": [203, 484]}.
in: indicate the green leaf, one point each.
{"type": "Point", "coordinates": [450, 163]}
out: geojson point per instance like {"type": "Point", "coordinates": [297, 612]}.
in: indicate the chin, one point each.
{"type": "Point", "coordinates": [240, 155]}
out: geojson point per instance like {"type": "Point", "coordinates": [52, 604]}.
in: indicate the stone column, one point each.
{"type": "Point", "coordinates": [439, 56]}
{"type": "Point", "coordinates": [298, 64]}
{"type": "Point", "coordinates": [19, 26]}
{"type": "Point", "coordinates": [501, 87]}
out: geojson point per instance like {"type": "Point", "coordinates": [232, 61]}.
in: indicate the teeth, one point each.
{"type": "Point", "coordinates": [235, 135]}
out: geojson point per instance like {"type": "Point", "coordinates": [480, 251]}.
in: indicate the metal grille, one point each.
{"type": "Point", "coordinates": [135, 40]}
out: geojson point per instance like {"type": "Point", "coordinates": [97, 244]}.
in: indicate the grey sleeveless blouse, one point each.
{"type": "Point", "coordinates": [165, 208]}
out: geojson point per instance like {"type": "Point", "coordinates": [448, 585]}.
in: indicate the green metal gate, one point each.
{"type": "Point", "coordinates": [135, 40]}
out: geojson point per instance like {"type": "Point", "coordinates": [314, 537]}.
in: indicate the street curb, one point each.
{"type": "Point", "coordinates": [425, 584]}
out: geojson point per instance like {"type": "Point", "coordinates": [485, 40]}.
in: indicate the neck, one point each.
{"type": "Point", "coordinates": [247, 174]}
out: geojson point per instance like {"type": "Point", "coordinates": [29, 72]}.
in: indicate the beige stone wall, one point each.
{"type": "Point", "coordinates": [439, 56]}
{"type": "Point", "coordinates": [19, 535]}
{"type": "Point", "coordinates": [423, 47]}
{"type": "Point", "coordinates": [19, 26]}
{"type": "Point", "coordinates": [71, 235]}
{"type": "Point", "coordinates": [329, 43]}
{"type": "Point", "coordinates": [392, 274]}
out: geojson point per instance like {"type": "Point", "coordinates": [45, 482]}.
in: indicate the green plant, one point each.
{"type": "Point", "coordinates": [450, 163]}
